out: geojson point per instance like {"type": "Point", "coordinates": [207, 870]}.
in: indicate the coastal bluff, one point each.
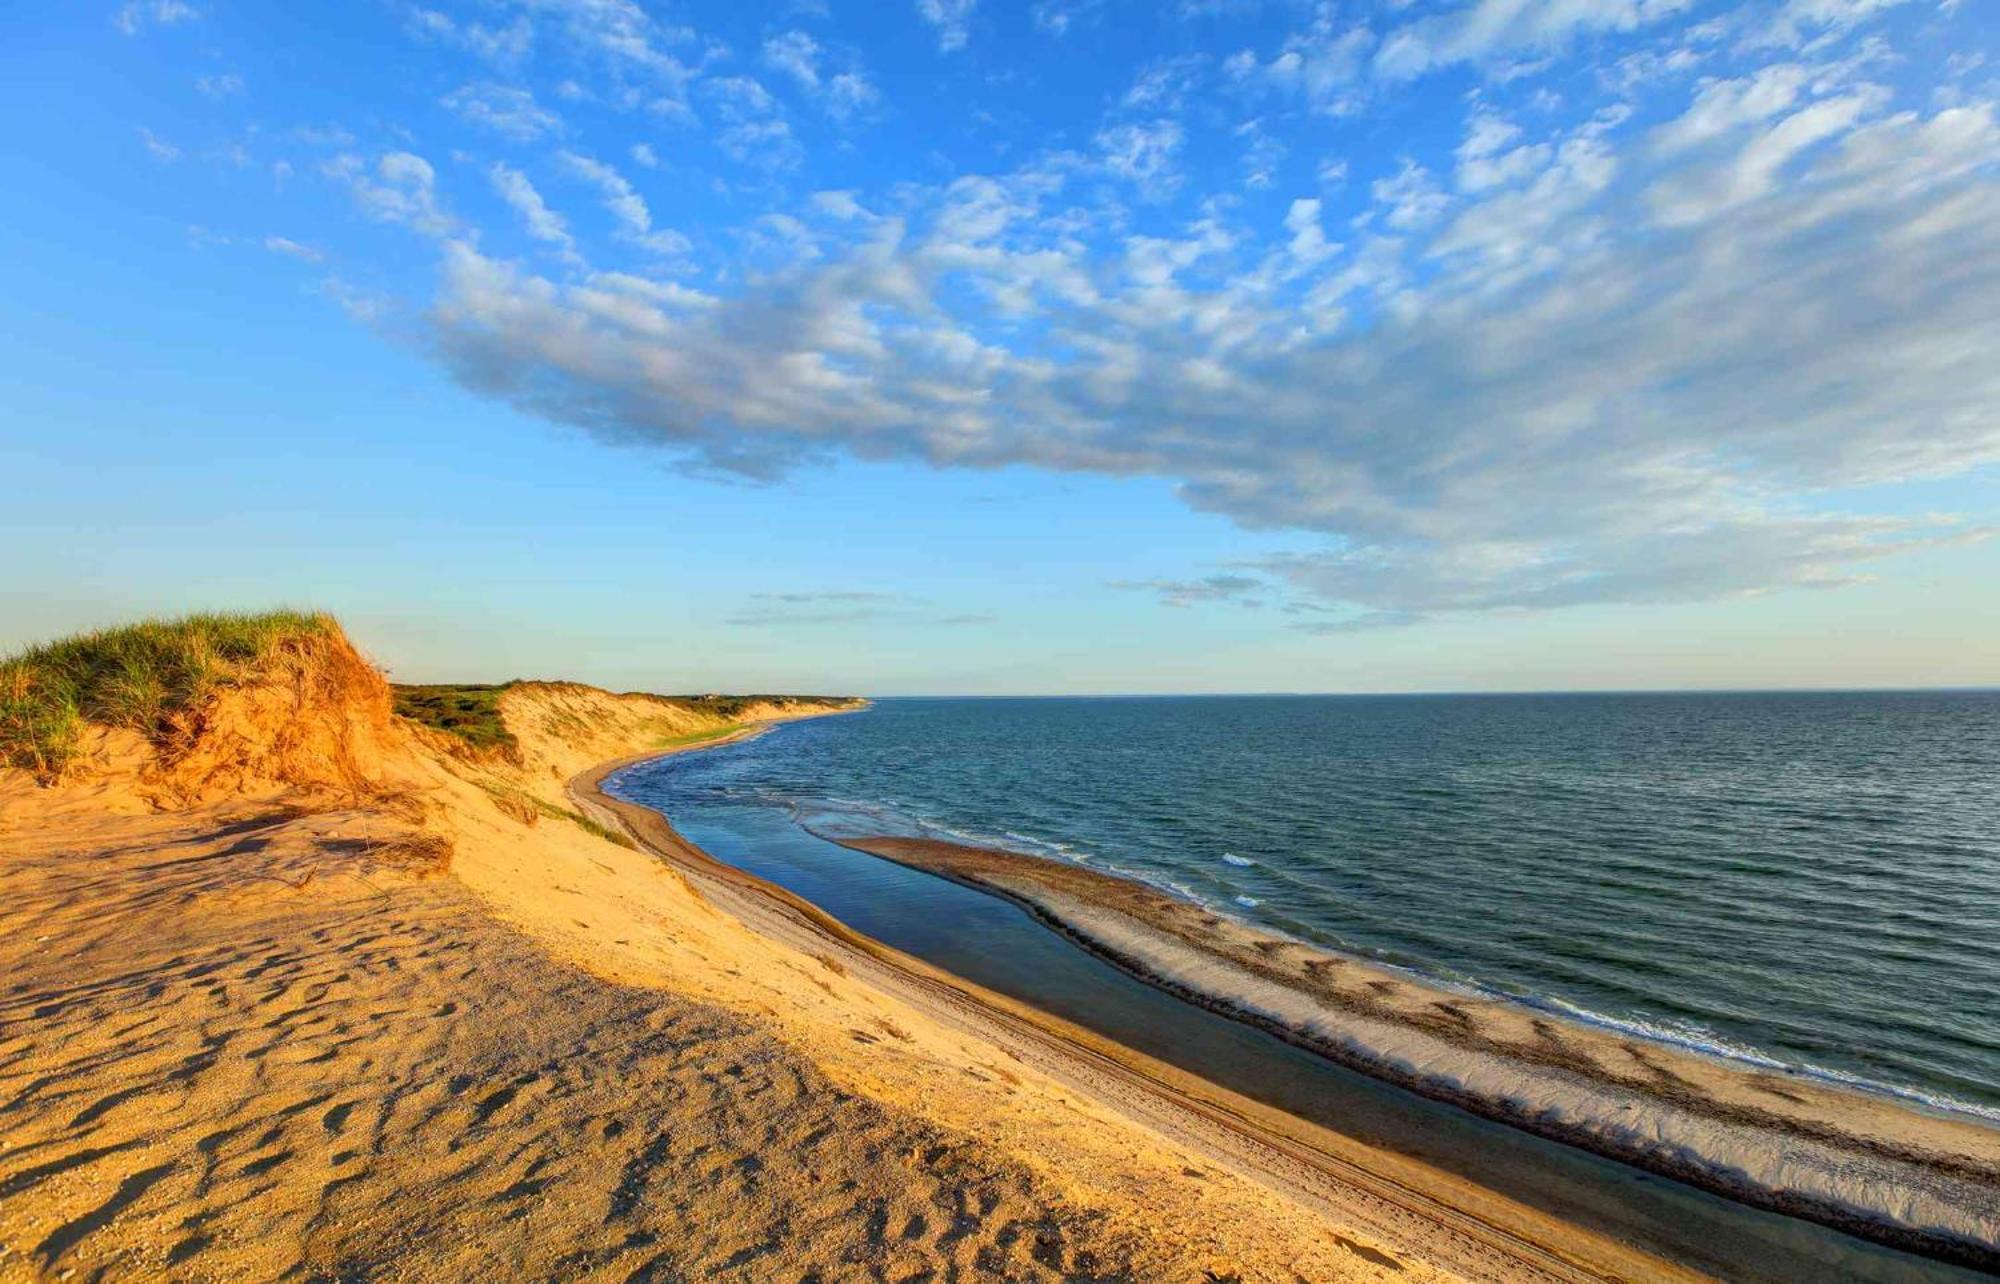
{"type": "Point", "coordinates": [308, 976]}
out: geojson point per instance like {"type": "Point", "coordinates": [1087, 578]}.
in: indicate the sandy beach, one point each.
{"type": "Point", "coordinates": [312, 990]}
{"type": "Point", "coordinates": [323, 993]}
{"type": "Point", "coordinates": [1871, 1166]}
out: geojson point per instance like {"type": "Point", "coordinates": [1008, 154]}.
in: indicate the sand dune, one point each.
{"type": "Point", "coordinates": [374, 1006]}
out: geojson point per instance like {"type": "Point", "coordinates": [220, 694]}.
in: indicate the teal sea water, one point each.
{"type": "Point", "coordinates": [1810, 880]}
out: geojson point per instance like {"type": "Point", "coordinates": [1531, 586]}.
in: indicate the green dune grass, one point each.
{"type": "Point", "coordinates": [470, 711]}
{"type": "Point", "coordinates": [136, 676]}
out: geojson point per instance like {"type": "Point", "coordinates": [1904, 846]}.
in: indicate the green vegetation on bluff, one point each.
{"type": "Point", "coordinates": [137, 676]}
{"type": "Point", "coordinates": [470, 711]}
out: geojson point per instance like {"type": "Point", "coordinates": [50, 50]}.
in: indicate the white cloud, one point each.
{"type": "Point", "coordinates": [951, 18]}
{"type": "Point", "coordinates": [1568, 401]}
{"type": "Point", "coordinates": [505, 109]}
{"type": "Point", "coordinates": [401, 188]}
{"type": "Point", "coordinates": [626, 206]}
{"type": "Point", "coordinates": [1486, 30]}
{"type": "Point", "coordinates": [1057, 16]}
{"type": "Point", "coordinates": [850, 93]}
{"type": "Point", "coordinates": [159, 148]}
{"type": "Point", "coordinates": [797, 55]}
{"type": "Point", "coordinates": [504, 46]}
{"type": "Point", "coordinates": [1262, 154]}
{"type": "Point", "coordinates": [645, 156]}
{"type": "Point", "coordinates": [293, 249]}
{"type": "Point", "coordinates": [1143, 154]}
{"type": "Point", "coordinates": [1164, 84]}
{"type": "Point", "coordinates": [542, 223]}
{"type": "Point", "coordinates": [1410, 197]}
{"type": "Point", "coordinates": [1753, 172]}
{"type": "Point", "coordinates": [1799, 20]}
{"type": "Point", "coordinates": [1308, 244]}
{"type": "Point", "coordinates": [1722, 106]}
{"type": "Point", "coordinates": [1321, 64]}
{"type": "Point", "coordinates": [1486, 160]}
{"type": "Point", "coordinates": [134, 17]}
{"type": "Point", "coordinates": [222, 86]}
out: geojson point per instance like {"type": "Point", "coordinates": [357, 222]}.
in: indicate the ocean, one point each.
{"type": "Point", "coordinates": [1809, 880]}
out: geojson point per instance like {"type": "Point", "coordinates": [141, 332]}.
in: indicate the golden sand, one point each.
{"type": "Point", "coordinates": [352, 1009]}
{"type": "Point", "coordinates": [329, 995]}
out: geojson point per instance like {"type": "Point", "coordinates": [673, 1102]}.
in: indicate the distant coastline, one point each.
{"type": "Point", "coordinates": [1860, 1162]}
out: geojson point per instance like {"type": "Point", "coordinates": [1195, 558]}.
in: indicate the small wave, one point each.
{"type": "Point", "coordinates": [1241, 862]}
{"type": "Point", "coordinates": [1708, 1043]}
{"type": "Point", "coordinates": [1247, 902]}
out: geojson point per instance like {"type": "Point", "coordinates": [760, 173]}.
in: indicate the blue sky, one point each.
{"type": "Point", "coordinates": [1082, 345]}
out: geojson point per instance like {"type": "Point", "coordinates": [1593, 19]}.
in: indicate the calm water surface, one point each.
{"type": "Point", "coordinates": [1810, 879]}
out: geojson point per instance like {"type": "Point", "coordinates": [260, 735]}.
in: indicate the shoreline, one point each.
{"type": "Point", "coordinates": [1274, 1147]}
{"type": "Point", "coordinates": [1457, 1224]}
{"type": "Point", "coordinates": [1864, 1164]}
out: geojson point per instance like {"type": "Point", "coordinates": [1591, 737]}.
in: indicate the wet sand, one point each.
{"type": "Point", "coordinates": [1925, 1182]}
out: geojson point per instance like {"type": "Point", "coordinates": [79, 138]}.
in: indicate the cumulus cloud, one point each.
{"type": "Point", "coordinates": [1603, 376]}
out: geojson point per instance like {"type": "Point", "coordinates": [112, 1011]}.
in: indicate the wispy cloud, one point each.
{"type": "Point", "coordinates": [1241, 589]}
{"type": "Point", "coordinates": [401, 187]}
{"type": "Point", "coordinates": [135, 17]}
{"type": "Point", "coordinates": [540, 222]}
{"type": "Point", "coordinates": [626, 206]}
{"type": "Point", "coordinates": [507, 110]}
{"type": "Point", "coordinates": [159, 148]}
{"type": "Point", "coordinates": [841, 95]}
{"type": "Point", "coordinates": [952, 20]}
{"type": "Point", "coordinates": [293, 249]}
{"type": "Point", "coordinates": [815, 607]}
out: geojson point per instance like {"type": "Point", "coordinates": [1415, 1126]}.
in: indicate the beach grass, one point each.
{"type": "Point", "coordinates": [526, 808]}
{"type": "Point", "coordinates": [470, 711]}
{"type": "Point", "coordinates": [136, 676]}
{"type": "Point", "coordinates": [698, 737]}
